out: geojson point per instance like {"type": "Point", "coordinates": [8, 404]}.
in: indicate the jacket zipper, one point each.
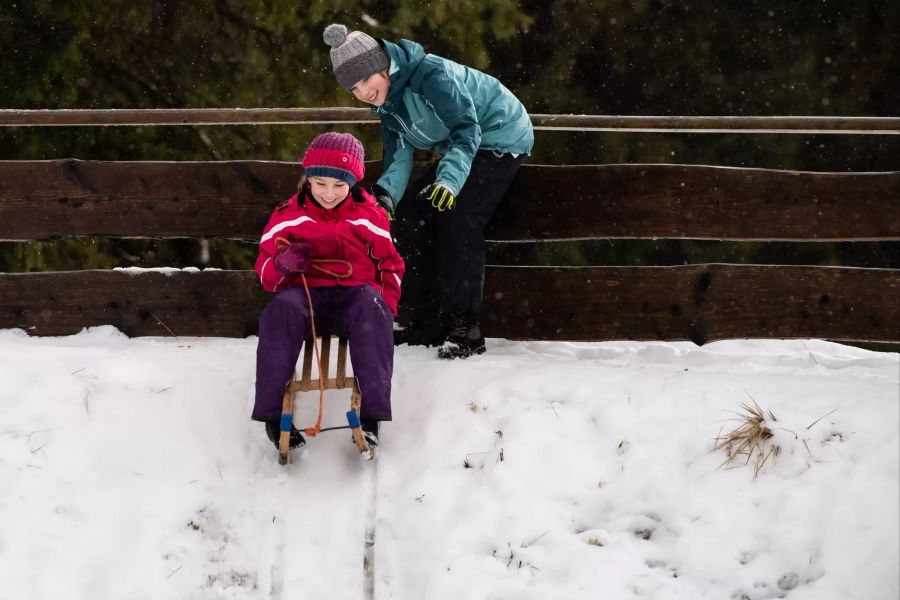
{"type": "Point", "coordinates": [405, 128]}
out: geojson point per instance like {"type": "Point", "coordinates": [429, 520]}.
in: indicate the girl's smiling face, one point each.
{"type": "Point", "coordinates": [328, 191]}
{"type": "Point", "coordinates": [374, 89]}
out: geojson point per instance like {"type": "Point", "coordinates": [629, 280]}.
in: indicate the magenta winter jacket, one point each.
{"type": "Point", "coordinates": [357, 231]}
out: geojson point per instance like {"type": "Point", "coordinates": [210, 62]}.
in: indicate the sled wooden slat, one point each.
{"type": "Point", "coordinates": [306, 371]}
{"type": "Point", "coordinates": [340, 381]}
{"type": "Point", "coordinates": [325, 358]}
{"type": "Point", "coordinates": [341, 374]}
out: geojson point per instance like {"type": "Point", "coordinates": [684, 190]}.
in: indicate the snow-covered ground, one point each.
{"type": "Point", "coordinates": [129, 469]}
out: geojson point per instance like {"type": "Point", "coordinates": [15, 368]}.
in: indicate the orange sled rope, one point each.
{"type": "Point", "coordinates": [287, 411]}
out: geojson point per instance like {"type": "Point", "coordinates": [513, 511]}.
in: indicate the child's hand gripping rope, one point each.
{"type": "Point", "coordinates": [293, 257]}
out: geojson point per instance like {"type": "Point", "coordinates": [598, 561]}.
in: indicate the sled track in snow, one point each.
{"type": "Point", "coordinates": [369, 537]}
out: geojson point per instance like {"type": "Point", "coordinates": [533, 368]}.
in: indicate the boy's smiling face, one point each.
{"type": "Point", "coordinates": [374, 89]}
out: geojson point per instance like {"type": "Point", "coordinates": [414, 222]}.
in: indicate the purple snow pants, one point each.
{"type": "Point", "coordinates": [358, 313]}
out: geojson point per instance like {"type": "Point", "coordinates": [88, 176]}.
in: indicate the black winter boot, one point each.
{"type": "Point", "coordinates": [273, 430]}
{"type": "Point", "coordinates": [464, 337]}
{"type": "Point", "coordinates": [370, 431]}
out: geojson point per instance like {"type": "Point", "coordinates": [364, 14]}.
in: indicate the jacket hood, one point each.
{"type": "Point", "coordinates": [407, 56]}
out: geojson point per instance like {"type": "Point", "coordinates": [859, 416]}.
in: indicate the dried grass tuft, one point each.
{"type": "Point", "coordinates": [749, 439]}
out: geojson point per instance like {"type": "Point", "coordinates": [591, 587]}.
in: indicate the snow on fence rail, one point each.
{"type": "Point", "coordinates": [50, 199]}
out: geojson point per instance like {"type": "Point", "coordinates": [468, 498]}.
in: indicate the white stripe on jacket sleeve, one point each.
{"type": "Point", "coordinates": [371, 227]}
{"type": "Point", "coordinates": [284, 225]}
{"type": "Point", "coordinates": [262, 272]}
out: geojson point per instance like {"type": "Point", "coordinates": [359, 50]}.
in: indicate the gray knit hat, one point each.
{"type": "Point", "coordinates": [355, 56]}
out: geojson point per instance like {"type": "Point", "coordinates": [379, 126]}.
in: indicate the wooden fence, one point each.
{"type": "Point", "coordinates": [42, 200]}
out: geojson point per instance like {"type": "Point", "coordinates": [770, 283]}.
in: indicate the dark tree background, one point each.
{"type": "Point", "coordinates": [635, 57]}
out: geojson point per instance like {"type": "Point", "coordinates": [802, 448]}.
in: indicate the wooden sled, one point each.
{"type": "Point", "coordinates": [306, 383]}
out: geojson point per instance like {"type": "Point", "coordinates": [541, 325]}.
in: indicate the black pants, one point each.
{"type": "Point", "coordinates": [445, 251]}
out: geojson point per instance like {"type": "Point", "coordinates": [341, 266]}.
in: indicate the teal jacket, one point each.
{"type": "Point", "coordinates": [437, 104]}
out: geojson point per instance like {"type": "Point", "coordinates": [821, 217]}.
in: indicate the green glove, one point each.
{"type": "Point", "coordinates": [440, 197]}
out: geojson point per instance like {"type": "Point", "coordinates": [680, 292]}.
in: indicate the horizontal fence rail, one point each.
{"type": "Point", "coordinates": [42, 200]}
{"type": "Point", "coordinates": [47, 199]}
{"type": "Point", "coordinates": [335, 115]}
{"type": "Point", "coordinates": [700, 303]}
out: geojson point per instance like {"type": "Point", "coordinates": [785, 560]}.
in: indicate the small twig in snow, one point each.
{"type": "Point", "coordinates": [833, 447]}
{"type": "Point", "coordinates": [28, 436]}
{"type": "Point", "coordinates": [468, 454]}
{"type": "Point", "coordinates": [468, 463]}
{"type": "Point", "coordinates": [163, 390]}
{"type": "Point", "coordinates": [158, 320]}
{"type": "Point", "coordinates": [807, 449]}
{"type": "Point", "coordinates": [535, 540]}
{"type": "Point", "coordinates": [810, 353]}
{"type": "Point", "coordinates": [79, 370]}
{"type": "Point", "coordinates": [796, 437]}
{"type": "Point", "coordinates": [820, 418]}
{"type": "Point", "coordinates": [554, 409]}
{"type": "Point", "coordinates": [175, 571]}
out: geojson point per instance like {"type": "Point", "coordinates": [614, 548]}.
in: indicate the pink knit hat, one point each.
{"type": "Point", "coordinates": [338, 155]}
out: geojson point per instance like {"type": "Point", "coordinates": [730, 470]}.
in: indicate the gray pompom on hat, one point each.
{"type": "Point", "coordinates": [354, 55]}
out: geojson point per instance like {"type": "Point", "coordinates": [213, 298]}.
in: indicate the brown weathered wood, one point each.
{"type": "Point", "coordinates": [306, 372]}
{"type": "Point", "coordinates": [340, 375]}
{"type": "Point", "coordinates": [325, 360]}
{"type": "Point", "coordinates": [698, 302]}
{"type": "Point", "coordinates": [698, 202]}
{"type": "Point", "coordinates": [47, 199]}
{"type": "Point", "coordinates": [340, 114]}
{"type": "Point", "coordinates": [340, 381]}
{"type": "Point", "coordinates": [208, 303]}
{"type": "Point", "coordinates": [719, 124]}
{"type": "Point", "coordinates": [358, 438]}
{"type": "Point", "coordinates": [330, 383]}
{"type": "Point", "coordinates": [284, 438]}
{"type": "Point", "coordinates": [186, 116]}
